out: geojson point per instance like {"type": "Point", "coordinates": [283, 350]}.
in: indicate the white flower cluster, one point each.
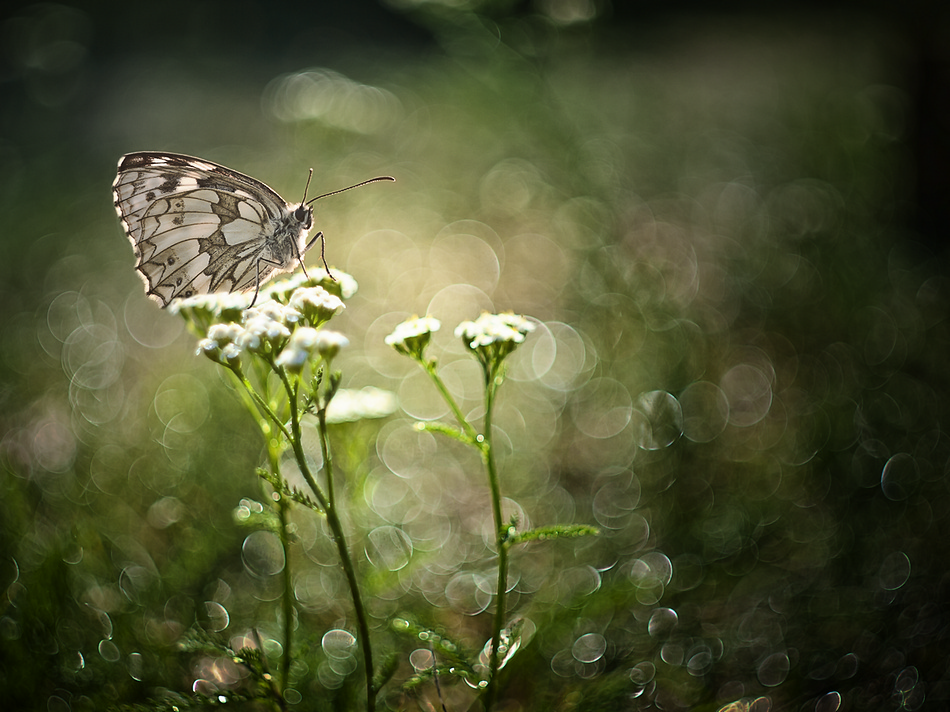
{"type": "Point", "coordinates": [341, 283]}
{"type": "Point", "coordinates": [491, 337]}
{"type": "Point", "coordinates": [413, 335]}
{"type": "Point", "coordinates": [491, 329]}
{"type": "Point", "coordinates": [274, 311]}
{"type": "Point", "coordinates": [266, 326]}
{"type": "Point", "coordinates": [202, 310]}
{"type": "Point", "coordinates": [316, 303]}
{"type": "Point", "coordinates": [221, 343]}
{"type": "Point", "coordinates": [275, 328]}
{"type": "Point", "coordinates": [307, 341]}
{"type": "Point", "coordinates": [214, 303]}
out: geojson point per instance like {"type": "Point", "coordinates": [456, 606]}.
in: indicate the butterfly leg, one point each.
{"type": "Point", "coordinates": [257, 280]}
{"type": "Point", "coordinates": [323, 256]}
{"type": "Point", "coordinates": [257, 284]}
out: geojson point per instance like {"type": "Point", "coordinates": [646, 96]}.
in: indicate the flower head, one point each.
{"type": "Point", "coordinates": [307, 341]}
{"type": "Point", "coordinates": [221, 344]}
{"type": "Point", "coordinates": [274, 311]}
{"type": "Point", "coordinates": [330, 342]}
{"type": "Point", "coordinates": [413, 335]}
{"type": "Point", "coordinates": [262, 334]}
{"type": "Point", "coordinates": [202, 310]}
{"type": "Point", "coordinates": [344, 286]}
{"type": "Point", "coordinates": [298, 350]}
{"type": "Point", "coordinates": [491, 337]}
{"type": "Point", "coordinates": [316, 304]}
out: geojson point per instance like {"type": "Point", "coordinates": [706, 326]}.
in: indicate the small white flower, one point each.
{"type": "Point", "coordinates": [225, 333]}
{"type": "Point", "coordinates": [307, 341]}
{"type": "Point", "coordinates": [293, 359]}
{"type": "Point", "coordinates": [210, 348]}
{"type": "Point", "coordinates": [282, 287]}
{"type": "Point", "coordinates": [329, 343]}
{"type": "Point", "coordinates": [275, 311]}
{"type": "Point", "coordinates": [221, 344]}
{"type": "Point", "coordinates": [316, 304]}
{"type": "Point", "coordinates": [215, 304]}
{"type": "Point", "coordinates": [491, 337]}
{"type": "Point", "coordinates": [261, 330]}
{"type": "Point", "coordinates": [413, 335]}
{"type": "Point", "coordinates": [494, 328]}
{"type": "Point", "coordinates": [347, 284]}
{"type": "Point", "coordinates": [305, 337]}
{"type": "Point", "coordinates": [417, 326]}
{"type": "Point", "coordinates": [297, 352]}
{"type": "Point", "coordinates": [344, 284]}
{"type": "Point", "coordinates": [517, 322]}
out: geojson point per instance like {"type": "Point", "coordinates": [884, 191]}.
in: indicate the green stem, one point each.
{"type": "Point", "coordinates": [295, 441]}
{"type": "Point", "coordinates": [257, 405]}
{"type": "Point", "coordinates": [484, 443]}
{"type": "Point", "coordinates": [470, 431]}
{"type": "Point", "coordinates": [279, 700]}
{"type": "Point", "coordinates": [287, 598]}
{"type": "Point", "coordinates": [262, 404]}
{"type": "Point", "coordinates": [333, 520]}
{"type": "Point", "coordinates": [336, 527]}
{"type": "Point", "coordinates": [498, 622]}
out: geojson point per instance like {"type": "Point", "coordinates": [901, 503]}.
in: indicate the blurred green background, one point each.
{"type": "Point", "coordinates": [731, 229]}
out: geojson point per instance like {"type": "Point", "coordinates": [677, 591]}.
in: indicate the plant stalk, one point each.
{"type": "Point", "coordinates": [287, 599]}
{"type": "Point", "coordinates": [470, 431]}
{"type": "Point", "coordinates": [498, 621]}
{"type": "Point", "coordinates": [336, 527]}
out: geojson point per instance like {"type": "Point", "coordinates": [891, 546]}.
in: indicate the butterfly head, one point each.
{"type": "Point", "coordinates": [303, 214]}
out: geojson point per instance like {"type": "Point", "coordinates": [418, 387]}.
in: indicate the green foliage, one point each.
{"type": "Point", "coordinates": [557, 531]}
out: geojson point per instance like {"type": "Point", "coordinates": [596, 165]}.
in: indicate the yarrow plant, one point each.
{"type": "Point", "coordinates": [490, 339]}
{"type": "Point", "coordinates": [280, 355]}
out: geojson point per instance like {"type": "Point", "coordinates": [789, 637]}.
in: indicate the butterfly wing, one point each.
{"type": "Point", "coordinates": [198, 227]}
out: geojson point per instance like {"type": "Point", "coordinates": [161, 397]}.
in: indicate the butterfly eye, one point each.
{"type": "Point", "coordinates": [304, 216]}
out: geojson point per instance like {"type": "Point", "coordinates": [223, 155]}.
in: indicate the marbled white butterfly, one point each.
{"type": "Point", "coordinates": [197, 227]}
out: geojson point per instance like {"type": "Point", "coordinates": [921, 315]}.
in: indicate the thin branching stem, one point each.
{"type": "Point", "coordinates": [336, 528]}
{"type": "Point", "coordinates": [328, 504]}
{"type": "Point", "coordinates": [279, 700]}
{"type": "Point", "coordinates": [263, 406]}
{"type": "Point", "coordinates": [257, 405]}
{"type": "Point", "coordinates": [295, 440]}
{"type": "Point", "coordinates": [287, 598]}
{"type": "Point", "coordinates": [498, 622]}
{"type": "Point", "coordinates": [430, 368]}
{"type": "Point", "coordinates": [327, 457]}
{"type": "Point", "coordinates": [483, 442]}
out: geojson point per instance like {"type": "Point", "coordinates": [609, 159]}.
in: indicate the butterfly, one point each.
{"type": "Point", "coordinates": [197, 227]}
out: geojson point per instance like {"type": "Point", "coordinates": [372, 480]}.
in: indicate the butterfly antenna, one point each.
{"type": "Point", "coordinates": [343, 190]}
{"type": "Point", "coordinates": [323, 242]}
{"type": "Point", "coordinates": [306, 187]}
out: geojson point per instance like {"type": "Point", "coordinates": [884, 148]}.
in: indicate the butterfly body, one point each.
{"type": "Point", "coordinates": [199, 227]}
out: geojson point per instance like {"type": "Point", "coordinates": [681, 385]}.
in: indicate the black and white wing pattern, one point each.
{"type": "Point", "coordinates": [198, 227]}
